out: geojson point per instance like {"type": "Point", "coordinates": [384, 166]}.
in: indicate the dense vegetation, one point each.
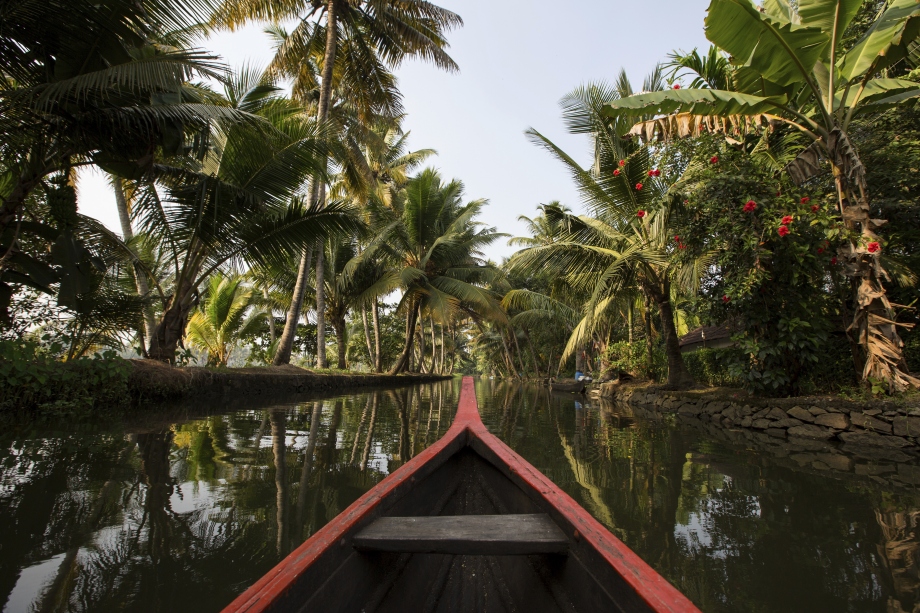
{"type": "Point", "coordinates": [268, 216]}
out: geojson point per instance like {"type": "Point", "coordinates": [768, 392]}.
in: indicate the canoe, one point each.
{"type": "Point", "coordinates": [466, 525]}
{"type": "Point", "coordinates": [569, 385]}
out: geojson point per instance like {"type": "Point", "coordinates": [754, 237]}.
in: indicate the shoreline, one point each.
{"type": "Point", "coordinates": [151, 381]}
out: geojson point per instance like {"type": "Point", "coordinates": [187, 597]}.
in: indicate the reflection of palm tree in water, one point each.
{"type": "Point", "coordinates": [154, 450]}
{"type": "Point", "coordinates": [900, 556]}
{"type": "Point", "coordinates": [279, 434]}
{"type": "Point", "coordinates": [365, 456]}
{"type": "Point", "coordinates": [306, 471]}
{"type": "Point", "coordinates": [56, 596]}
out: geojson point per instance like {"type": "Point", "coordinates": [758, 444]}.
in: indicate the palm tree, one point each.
{"type": "Point", "coordinates": [225, 317]}
{"type": "Point", "coordinates": [359, 42]}
{"type": "Point", "coordinates": [88, 83]}
{"type": "Point", "coordinates": [434, 252]}
{"type": "Point", "coordinates": [788, 67]}
{"type": "Point", "coordinates": [238, 203]}
{"type": "Point", "coordinates": [627, 242]}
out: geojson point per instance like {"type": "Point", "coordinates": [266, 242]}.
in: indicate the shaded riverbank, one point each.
{"type": "Point", "coordinates": [150, 380]}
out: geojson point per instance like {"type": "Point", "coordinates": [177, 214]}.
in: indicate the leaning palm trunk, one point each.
{"type": "Point", "coordinates": [318, 194]}
{"type": "Point", "coordinates": [411, 320]}
{"type": "Point", "coordinates": [140, 279]}
{"type": "Point", "coordinates": [169, 332]}
{"type": "Point", "coordinates": [286, 344]}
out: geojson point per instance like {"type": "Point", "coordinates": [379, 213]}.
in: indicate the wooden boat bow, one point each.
{"type": "Point", "coordinates": [621, 577]}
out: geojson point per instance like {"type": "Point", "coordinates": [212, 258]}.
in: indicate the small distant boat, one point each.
{"type": "Point", "coordinates": [466, 525]}
{"type": "Point", "coordinates": [569, 385]}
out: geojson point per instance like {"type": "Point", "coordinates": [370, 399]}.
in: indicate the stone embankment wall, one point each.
{"type": "Point", "coordinates": [854, 452]}
{"type": "Point", "coordinates": [880, 424]}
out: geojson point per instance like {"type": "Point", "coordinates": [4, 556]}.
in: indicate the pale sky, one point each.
{"type": "Point", "coordinates": [517, 59]}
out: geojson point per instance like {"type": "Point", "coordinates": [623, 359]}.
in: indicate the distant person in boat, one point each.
{"type": "Point", "coordinates": [580, 377]}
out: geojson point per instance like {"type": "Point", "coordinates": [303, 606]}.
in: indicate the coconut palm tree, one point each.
{"type": "Point", "coordinates": [627, 242]}
{"type": "Point", "coordinates": [434, 251]}
{"type": "Point", "coordinates": [224, 318]}
{"type": "Point", "coordinates": [358, 43]}
{"type": "Point", "coordinates": [88, 83]}
{"type": "Point", "coordinates": [789, 68]}
{"type": "Point", "coordinates": [240, 202]}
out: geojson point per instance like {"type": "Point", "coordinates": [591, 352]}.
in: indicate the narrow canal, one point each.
{"type": "Point", "coordinates": [171, 514]}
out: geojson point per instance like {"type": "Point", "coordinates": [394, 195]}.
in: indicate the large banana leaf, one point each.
{"type": "Point", "coordinates": [694, 101]}
{"type": "Point", "coordinates": [886, 41]}
{"type": "Point", "coordinates": [782, 52]}
{"type": "Point", "coordinates": [829, 15]}
{"type": "Point", "coordinates": [880, 91]}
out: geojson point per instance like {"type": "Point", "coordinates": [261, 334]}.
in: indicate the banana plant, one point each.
{"type": "Point", "coordinates": [790, 68]}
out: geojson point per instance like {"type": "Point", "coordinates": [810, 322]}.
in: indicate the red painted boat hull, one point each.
{"type": "Point", "coordinates": [599, 573]}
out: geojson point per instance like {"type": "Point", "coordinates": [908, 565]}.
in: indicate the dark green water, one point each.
{"type": "Point", "coordinates": [183, 514]}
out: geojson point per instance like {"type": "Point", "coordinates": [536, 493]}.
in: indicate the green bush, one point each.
{"type": "Point", "coordinates": [633, 358]}
{"type": "Point", "coordinates": [35, 382]}
{"type": "Point", "coordinates": [712, 367]}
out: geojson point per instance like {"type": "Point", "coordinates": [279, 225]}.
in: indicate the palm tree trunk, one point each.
{"type": "Point", "coordinates": [168, 333]}
{"type": "Point", "coordinates": [339, 324]}
{"type": "Point", "coordinates": [367, 336]}
{"type": "Point", "coordinates": [271, 318]}
{"type": "Point", "coordinates": [403, 361]}
{"type": "Point", "coordinates": [433, 367]}
{"type": "Point", "coordinates": [325, 96]}
{"type": "Point", "coordinates": [378, 357]}
{"type": "Point", "coordinates": [648, 335]}
{"type": "Point", "coordinates": [517, 347]}
{"type": "Point", "coordinates": [320, 308]}
{"type": "Point", "coordinates": [441, 365]}
{"type": "Point", "coordinates": [421, 342]}
{"type": "Point", "coordinates": [678, 375]}
{"type": "Point", "coordinates": [533, 354]}
{"type": "Point", "coordinates": [140, 279]}
{"type": "Point", "coordinates": [286, 344]}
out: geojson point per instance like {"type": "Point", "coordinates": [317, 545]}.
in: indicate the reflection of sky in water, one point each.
{"type": "Point", "coordinates": [30, 584]}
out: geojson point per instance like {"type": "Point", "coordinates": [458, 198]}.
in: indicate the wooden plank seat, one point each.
{"type": "Point", "coordinates": [464, 535]}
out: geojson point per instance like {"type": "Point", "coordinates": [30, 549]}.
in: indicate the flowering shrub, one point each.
{"type": "Point", "coordinates": [770, 283]}
{"type": "Point", "coordinates": [640, 214]}
{"type": "Point", "coordinates": [873, 247]}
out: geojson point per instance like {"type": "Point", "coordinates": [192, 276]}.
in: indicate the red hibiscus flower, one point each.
{"type": "Point", "coordinates": [783, 230]}
{"type": "Point", "coordinates": [677, 86]}
{"type": "Point", "coordinates": [726, 299]}
{"type": "Point", "coordinates": [749, 206]}
{"type": "Point", "coordinates": [677, 238]}
{"type": "Point", "coordinates": [806, 200]}
{"type": "Point", "coordinates": [814, 208]}
{"type": "Point", "coordinates": [640, 214]}
{"type": "Point", "coordinates": [874, 247]}
{"type": "Point", "coordinates": [786, 220]}
{"type": "Point", "coordinates": [820, 250]}
{"type": "Point", "coordinates": [616, 172]}
{"type": "Point", "coordinates": [778, 193]}
{"type": "Point", "coordinates": [638, 187]}
{"type": "Point", "coordinates": [714, 159]}
{"type": "Point", "coordinates": [622, 162]}
{"type": "Point", "coordinates": [834, 261]}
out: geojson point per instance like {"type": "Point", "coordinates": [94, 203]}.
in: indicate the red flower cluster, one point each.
{"type": "Point", "coordinates": [638, 187]}
{"type": "Point", "coordinates": [616, 172]}
{"type": "Point", "coordinates": [806, 200]}
{"type": "Point", "coordinates": [726, 299]}
{"type": "Point", "coordinates": [622, 162]}
{"type": "Point", "coordinates": [640, 214]}
{"type": "Point", "coordinates": [874, 247]}
{"type": "Point", "coordinates": [786, 220]}
{"type": "Point", "coordinates": [783, 230]}
{"type": "Point", "coordinates": [680, 245]}
{"type": "Point", "coordinates": [654, 173]}
{"type": "Point", "coordinates": [749, 206]}
{"type": "Point", "coordinates": [814, 208]}
{"type": "Point", "coordinates": [714, 159]}
{"type": "Point", "coordinates": [820, 250]}
{"type": "Point", "coordinates": [677, 86]}
{"type": "Point", "coordinates": [834, 261]}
